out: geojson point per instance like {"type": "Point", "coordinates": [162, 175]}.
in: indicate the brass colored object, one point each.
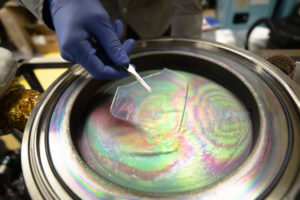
{"type": "Point", "coordinates": [16, 107]}
{"type": "Point", "coordinates": [284, 63]}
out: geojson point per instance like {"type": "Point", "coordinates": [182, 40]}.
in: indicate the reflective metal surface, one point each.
{"type": "Point", "coordinates": [214, 139]}
{"type": "Point", "coordinates": [239, 138]}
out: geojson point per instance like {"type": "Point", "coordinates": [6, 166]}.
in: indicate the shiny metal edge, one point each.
{"type": "Point", "coordinates": [282, 78]}
{"type": "Point", "coordinates": [290, 175]}
{"type": "Point", "coordinates": [285, 81]}
{"type": "Point", "coordinates": [37, 180]}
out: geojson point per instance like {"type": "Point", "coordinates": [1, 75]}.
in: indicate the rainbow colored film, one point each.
{"type": "Point", "coordinates": [154, 110]}
{"type": "Point", "coordinates": [214, 139]}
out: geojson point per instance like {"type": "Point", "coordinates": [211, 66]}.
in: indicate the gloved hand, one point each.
{"type": "Point", "coordinates": [87, 36]}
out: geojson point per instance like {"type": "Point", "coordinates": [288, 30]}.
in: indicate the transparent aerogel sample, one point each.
{"type": "Point", "coordinates": [161, 110]}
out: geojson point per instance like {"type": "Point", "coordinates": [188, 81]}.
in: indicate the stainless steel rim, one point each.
{"type": "Point", "coordinates": [44, 181]}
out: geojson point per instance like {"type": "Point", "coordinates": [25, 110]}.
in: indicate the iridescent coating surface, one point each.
{"type": "Point", "coordinates": [255, 176]}
{"type": "Point", "coordinates": [215, 138]}
{"type": "Point", "coordinates": [155, 110]}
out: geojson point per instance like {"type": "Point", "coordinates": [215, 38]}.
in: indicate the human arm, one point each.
{"type": "Point", "coordinates": [86, 35]}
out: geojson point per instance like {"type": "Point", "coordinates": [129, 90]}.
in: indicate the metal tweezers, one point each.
{"type": "Point", "coordinates": [130, 69]}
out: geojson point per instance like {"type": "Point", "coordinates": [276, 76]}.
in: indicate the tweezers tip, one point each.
{"type": "Point", "coordinates": [147, 87]}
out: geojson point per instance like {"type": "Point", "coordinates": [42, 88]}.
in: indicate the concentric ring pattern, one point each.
{"type": "Point", "coordinates": [214, 139]}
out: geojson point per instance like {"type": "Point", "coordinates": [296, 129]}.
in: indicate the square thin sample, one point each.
{"type": "Point", "coordinates": [161, 110]}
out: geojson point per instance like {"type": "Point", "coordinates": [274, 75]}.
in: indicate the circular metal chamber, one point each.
{"type": "Point", "coordinates": [239, 137]}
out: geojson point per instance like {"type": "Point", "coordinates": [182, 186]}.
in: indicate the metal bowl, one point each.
{"type": "Point", "coordinates": [240, 138]}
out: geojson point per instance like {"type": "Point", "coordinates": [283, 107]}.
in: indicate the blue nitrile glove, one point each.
{"type": "Point", "coordinates": [87, 36]}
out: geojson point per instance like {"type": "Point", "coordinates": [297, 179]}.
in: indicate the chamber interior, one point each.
{"type": "Point", "coordinates": [214, 139]}
{"type": "Point", "coordinates": [160, 110]}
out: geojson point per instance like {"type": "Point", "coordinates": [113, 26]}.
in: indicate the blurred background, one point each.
{"type": "Point", "coordinates": [264, 27]}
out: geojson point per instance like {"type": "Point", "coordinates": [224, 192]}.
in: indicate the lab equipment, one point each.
{"type": "Point", "coordinates": [240, 130]}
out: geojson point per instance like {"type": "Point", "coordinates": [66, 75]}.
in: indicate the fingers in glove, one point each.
{"type": "Point", "coordinates": [128, 46]}
{"type": "Point", "coordinates": [92, 63]}
{"type": "Point", "coordinates": [110, 42]}
{"type": "Point", "coordinates": [118, 28]}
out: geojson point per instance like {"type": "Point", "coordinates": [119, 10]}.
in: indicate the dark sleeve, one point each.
{"type": "Point", "coordinates": [40, 9]}
{"type": "Point", "coordinates": [186, 18]}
